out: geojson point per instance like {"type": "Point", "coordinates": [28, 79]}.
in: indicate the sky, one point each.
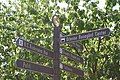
{"type": "Point", "coordinates": [101, 4]}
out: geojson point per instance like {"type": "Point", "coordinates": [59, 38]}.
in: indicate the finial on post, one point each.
{"type": "Point", "coordinates": [56, 21]}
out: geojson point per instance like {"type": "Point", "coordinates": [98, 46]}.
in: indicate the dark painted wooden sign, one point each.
{"type": "Point", "coordinates": [75, 44]}
{"type": "Point", "coordinates": [71, 69]}
{"type": "Point", "coordinates": [71, 56]}
{"type": "Point", "coordinates": [27, 65]}
{"type": "Point", "coordinates": [87, 35]}
{"type": "Point", "coordinates": [32, 47]}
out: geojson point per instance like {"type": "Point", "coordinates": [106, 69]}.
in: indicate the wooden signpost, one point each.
{"type": "Point", "coordinates": [57, 51]}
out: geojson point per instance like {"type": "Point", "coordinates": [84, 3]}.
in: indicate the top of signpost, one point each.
{"type": "Point", "coordinates": [56, 21]}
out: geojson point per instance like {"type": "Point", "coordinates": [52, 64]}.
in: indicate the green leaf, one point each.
{"type": "Point", "coordinates": [89, 26]}
{"type": "Point", "coordinates": [75, 8]}
{"type": "Point", "coordinates": [80, 24]}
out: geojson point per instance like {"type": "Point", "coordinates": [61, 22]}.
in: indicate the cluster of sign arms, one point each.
{"type": "Point", "coordinates": [70, 39]}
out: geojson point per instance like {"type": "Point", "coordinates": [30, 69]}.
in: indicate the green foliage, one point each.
{"type": "Point", "coordinates": [31, 20]}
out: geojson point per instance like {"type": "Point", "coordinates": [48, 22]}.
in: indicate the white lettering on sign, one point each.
{"type": "Point", "coordinates": [71, 38]}
{"type": "Point", "coordinates": [35, 48]}
{"type": "Point", "coordinates": [45, 52]}
{"type": "Point", "coordinates": [26, 65]}
{"type": "Point", "coordinates": [74, 57]}
{"type": "Point", "coordinates": [100, 33]}
{"type": "Point", "coordinates": [67, 68]}
{"type": "Point", "coordinates": [20, 42]}
{"type": "Point", "coordinates": [86, 36]}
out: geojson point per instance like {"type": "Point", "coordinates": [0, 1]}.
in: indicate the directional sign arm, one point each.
{"type": "Point", "coordinates": [72, 56]}
{"type": "Point", "coordinates": [87, 35]}
{"type": "Point", "coordinates": [33, 67]}
{"type": "Point", "coordinates": [76, 44]}
{"type": "Point", "coordinates": [34, 48]}
{"type": "Point", "coordinates": [71, 69]}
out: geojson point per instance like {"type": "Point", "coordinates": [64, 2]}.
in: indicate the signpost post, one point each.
{"type": "Point", "coordinates": [56, 48]}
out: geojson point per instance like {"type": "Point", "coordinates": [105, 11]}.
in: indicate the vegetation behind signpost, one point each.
{"type": "Point", "coordinates": [31, 20]}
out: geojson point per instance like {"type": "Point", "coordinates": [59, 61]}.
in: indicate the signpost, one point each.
{"type": "Point", "coordinates": [34, 48]}
{"type": "Point", "coordinates": [27, 65]}
{"type": "Point", "coordinates": [84, 36]}
{"type": "Point", "coordinates": [71, 69]}
{"type": "Point", "coordinates": [57, 51]}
